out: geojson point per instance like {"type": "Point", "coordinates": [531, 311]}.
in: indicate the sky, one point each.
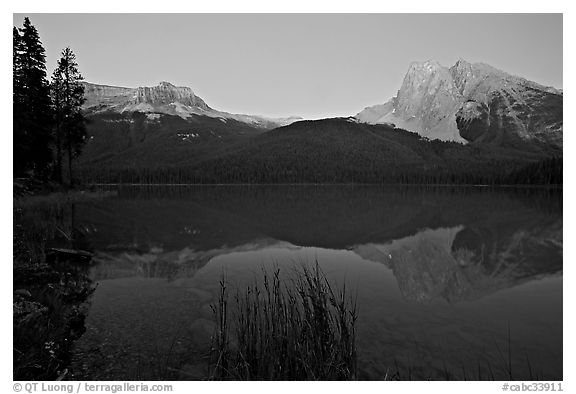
{"type": "Point", "coordinates": [309, 65]}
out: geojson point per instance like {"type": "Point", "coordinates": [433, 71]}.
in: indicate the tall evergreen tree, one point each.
{"type": "Point", "coordinates": [32, 126]}
{"type": "Point", "coordinates": [20, 143]}
{"type": "Point", "coordinates": [56, 92]}
{"type": "Point", "coordinates": [67, 99]}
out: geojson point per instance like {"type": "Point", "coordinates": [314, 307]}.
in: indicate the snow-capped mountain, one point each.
{"type": "Point", "coordinates": [165, 98]}
{"type": "Point", "coordinates": [471, 102]}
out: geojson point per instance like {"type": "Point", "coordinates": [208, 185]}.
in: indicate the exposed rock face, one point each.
{"type": "Point", "coordinates": [501, 107]}
{"type": "Point", "coordinates": [426, 103]}
{"type": "Point", "coordinates": [104, 96]}
{"type": "Point", "coordinates": [472, 119]}
{"type": "Point", "coordinates": [101, 98]}
{"type": "Point", "coordinates": [472, 102]}
{"type": "Point", "coordinates": [427, 98]}
{"type": "Point", "coordinates": [164, 98]}
{"type": "Point", "coordinates": [166, 93]}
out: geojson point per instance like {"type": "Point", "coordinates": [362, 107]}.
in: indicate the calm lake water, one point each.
{"type": "Point", "coordinates": [452, 283]}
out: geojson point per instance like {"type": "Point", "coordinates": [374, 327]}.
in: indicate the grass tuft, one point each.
{"type": "Point", "coordinates": [296, 329]}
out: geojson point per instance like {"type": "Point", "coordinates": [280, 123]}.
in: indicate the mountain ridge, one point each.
{"type": "Point", "coordinates": [434, 101]}
{"type": "Point", "coordinates": [469, 123]}
{"type": "Point", "coordinates": [165, 98]}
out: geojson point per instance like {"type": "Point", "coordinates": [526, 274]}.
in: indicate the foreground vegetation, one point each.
{"type": "Point", "coordinates": [50, 284]}
{"type": "Point", "coordinates": [48, 315]}
{"type": "Point", "coordinates": [298, 329]}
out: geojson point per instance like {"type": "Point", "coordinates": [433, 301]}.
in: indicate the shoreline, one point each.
{"type": "Point", "coordinates": [509, 186]}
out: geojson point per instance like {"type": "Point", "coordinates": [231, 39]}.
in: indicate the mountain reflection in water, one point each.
{"type": "Point", "coordinates": [441, 273]}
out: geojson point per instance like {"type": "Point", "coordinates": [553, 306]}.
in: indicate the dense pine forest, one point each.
{"type": "Point", "coordinates": [545, 172]}
{"type": "Point", "coordinates": [337, 150]}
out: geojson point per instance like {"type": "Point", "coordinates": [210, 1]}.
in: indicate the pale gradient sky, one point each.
{"type": "Point", "coordinates": [311, 65]}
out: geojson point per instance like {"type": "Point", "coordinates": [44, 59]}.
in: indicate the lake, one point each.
{"type": "Point", "coordinates": [451, 283]}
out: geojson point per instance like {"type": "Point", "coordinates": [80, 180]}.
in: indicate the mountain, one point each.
{"type": "Point", "coordinates": [472, 102]}
{"type": "Point", "coordinates": [159, 126]}
{"type": "Point", "coordinates": [152, 140]}
{"type": "Point", "coordinates": [339, 150]}
{"type": "Point", "coordinates": [512, 129]}
{"type": "Point", "coordinates": [164, 98]}
{"type": "Point", "coordinates": [346, 150]}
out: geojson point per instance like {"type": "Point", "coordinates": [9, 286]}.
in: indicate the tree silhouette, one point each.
{"type": "Point", "coordinates": [67, 98]}
{"type": "Point", "coordinates": [20, 145]}
{"type": "Point", "coordinates": [31, 100]}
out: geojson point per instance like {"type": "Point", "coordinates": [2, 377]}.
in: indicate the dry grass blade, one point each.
{"type": "Point", "coordinates": [299, 329]}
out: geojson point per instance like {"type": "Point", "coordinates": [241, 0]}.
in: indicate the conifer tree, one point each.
{"type": "Point", "coordinates": [67, 93]}
{"type": "Point", "coordinates": [32, 124]}
{"type": "Point", "coordinates": [20, 145]}
{"type": "Point", "coordinates": [56, 92]}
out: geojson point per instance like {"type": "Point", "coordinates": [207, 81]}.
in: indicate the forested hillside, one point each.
{"type": "Point", "coordinates": [341, 150]}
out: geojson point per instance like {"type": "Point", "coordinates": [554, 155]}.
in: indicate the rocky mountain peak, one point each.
{"type": "Point", "coordinates": [478, 79]}
{"type": "Point", "coordinates": [427, 93]}
{"type": "Point", "coordinates": [461, 72]}
{"type": "Point", "coordinates": [426, 72]}
{"type": "Point", "coordinates": [165, 98]}
{"type": "Point", "coordinates": [424, 79]}
{"type": "Point", "coordinates": [166, 93]}
{"type": "Point", "coordinates": [461, 62]}
{"type": "Point", "coordinates": [471, 102]}
{"type": "Point", "coordinates": [426, 66]}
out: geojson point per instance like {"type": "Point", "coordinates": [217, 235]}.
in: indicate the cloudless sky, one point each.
{"type": "Point", "coordinates": [311, 65]}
